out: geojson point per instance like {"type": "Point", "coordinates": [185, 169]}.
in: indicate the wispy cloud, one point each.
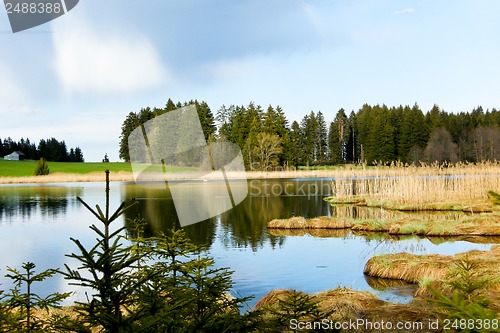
{"type": "Point", "coordinates": [11, 93]}
{"type": "Point", "coordinates": [89, 61]}
{"type": "Point", "coordinates": [404, 11]}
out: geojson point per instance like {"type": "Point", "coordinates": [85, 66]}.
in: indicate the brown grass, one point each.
{"type": "Point", "coordinates": [348, 304]}
{"type": "Point", "coordinates": [322, 222]}
{"type": "Point", "coordinates": [475, 225]}
{"type": "Point", "coordinates": [415, 268]}
{"type": "Point", "coordinates": [320, 233]}
{"type": "Point", "coordinates": [98, 176]}
{"type": "Point", "coordinates": [383, 284]}
{"type": "Point", "coordinates": [128, 176]}
{"type": "Point", "coordinates": [458, 186]}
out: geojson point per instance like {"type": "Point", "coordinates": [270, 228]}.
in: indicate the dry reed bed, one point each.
{"type": "Point", "coordinates": [415, 268]}
{"type": "Point", "coordinates": [98, 176]}
{"type": "Point", "coordinates": [455, 186]}
{"type": "Point", "coordinates": [348, 304]}
{"type": "Point", "coordinates": [475, 225]}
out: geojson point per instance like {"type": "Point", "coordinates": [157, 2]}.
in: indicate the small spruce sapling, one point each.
{"type": "Point", "coordinates": [25, 302]}
{"type": "Point", "coordinates": [467, 299]}
{"type": "Point", "coordinates": [42, 168]}
{"type": "Point", "coordinates": [108, 266]}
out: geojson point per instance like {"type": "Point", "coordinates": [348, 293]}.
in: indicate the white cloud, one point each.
{"type": "Point", "coordinates": [9, 88]}
{"type": "Point", "coordinates": [12, 97]}
{"type": "Point", "coordinates": [404, 11]}
{"type": "Point", "coordinates": [88, 60]}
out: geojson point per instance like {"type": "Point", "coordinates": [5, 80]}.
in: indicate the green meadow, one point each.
{"type": "Point", "coordinates": [27, 167]}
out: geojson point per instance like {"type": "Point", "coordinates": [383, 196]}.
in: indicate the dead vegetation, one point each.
{"type": "Point", "coordinates": [346, 305]}
{"type": "Point", "coordinates": [473, 225]}
{"type": "Point", "coordinates": [416, 268]}
{"type": "Point", "coordinates": [458, 187]}
{"type": "Point", "coordinates": [298, 222]}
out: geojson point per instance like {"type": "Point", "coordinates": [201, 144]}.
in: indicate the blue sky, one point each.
{"type": "Point", "coordinates": [77, 77]}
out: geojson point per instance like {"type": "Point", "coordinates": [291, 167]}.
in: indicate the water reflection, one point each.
{"type": "Point", "coordinates": [308, 260]}
{"type": "Point", "coordinates": [21, 202]}
{"type": "Point", "coordinates": [244, 226]}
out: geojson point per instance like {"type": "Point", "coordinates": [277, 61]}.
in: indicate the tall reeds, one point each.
{"type": "Point", "coordinates": [419, 185]}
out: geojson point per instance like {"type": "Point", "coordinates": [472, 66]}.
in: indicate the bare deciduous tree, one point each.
{"type": "Point", "coordinates": [267, 150]}
{"type": "Point", "coordinates": [441, 147]}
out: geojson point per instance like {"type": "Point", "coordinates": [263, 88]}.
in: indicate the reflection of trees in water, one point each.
{"type": "Point", "coordinates": [247, 223]}
{"type": "Point", "coordinates": [154, 204]}
{"type": "Point", "coordinates": [243, 226]}
{"type": "Point", "coordinates": [24, 201]}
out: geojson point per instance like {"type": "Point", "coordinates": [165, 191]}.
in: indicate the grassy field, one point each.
{"type": "Point", "coordinates": [26, 168]}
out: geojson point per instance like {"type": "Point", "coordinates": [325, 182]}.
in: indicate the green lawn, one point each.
{"type": "Point", "coordinates": [26, 168]}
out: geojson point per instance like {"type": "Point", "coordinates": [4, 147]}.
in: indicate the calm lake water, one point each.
{"type": "Point", "coordinates": [37, 221]}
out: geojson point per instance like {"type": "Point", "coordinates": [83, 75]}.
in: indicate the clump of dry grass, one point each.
{"type": "Point", "coordinates": [346, 304]}
{"type": "Point", "coordinates": [273, 297]}
{"type": "Point", "coordinates": [320, 233]}
{"type": "Point", "coordinates": [410, 187]}
{"type": "Point", "coordinates": [415, 268]}
{"type": "Point", "coordinates": [475, 225]}
{"type": "Point", "coordinates": [407, 267]}
{"type": "Point", "coordinates": [484, 225]}
{"type": "Point", "coordinates": [371, 225]}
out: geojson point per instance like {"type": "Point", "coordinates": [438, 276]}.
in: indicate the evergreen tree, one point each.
{"type": "Point", "coordinates": [434, 118]}
{"type": "Point", "coordinates": [206, 117]}
{"type": "Point", "coordinates": [321, 139]}
{"type": "Point", "coordinates": [337, 138]}
{"type": "Point", "coordinates": [108, 264]}
{"type": "Point", "coordinates": [250, 144]}
{"type": "Point", "coordinates": [296, 143]}
{"type": "Point", "coordinates": [309, 129]}
{"type": "Point", "coordinates": [413, 132]}
{"type": "Point", "coordinates": [71, 155]}
{"type": "Point", "coordinates": [9, 145]}
{"type": "Point", "coordinates": [41, 168]}
{"type": "Point", "coordinates": [79, 155]}
{"type": "Point", "coordinates": [275, 123]}
{"type": "Point", "coordinates": [131, 122]}
{"type": "Point", "coordinates": [170, 105]}
{"type": "Point", "coordinates": [26, 303]}
{"type": "Point", "coordinates": [352, 149]}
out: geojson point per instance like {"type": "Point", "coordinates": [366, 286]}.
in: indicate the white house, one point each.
{"type": "Point", "coordinates": [15, 156]}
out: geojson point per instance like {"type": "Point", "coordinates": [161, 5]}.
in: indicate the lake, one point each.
{"type": "Point", "coordinates": [37, 221]}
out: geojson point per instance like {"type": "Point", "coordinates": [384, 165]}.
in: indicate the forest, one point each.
{"type": "Point", "coordinates": [373, 134]}
{"type": "Point", "coordinates": [49, 149]}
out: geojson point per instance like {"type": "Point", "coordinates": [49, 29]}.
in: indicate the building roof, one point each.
{"type": "Point", "coordinates": [17, 152]}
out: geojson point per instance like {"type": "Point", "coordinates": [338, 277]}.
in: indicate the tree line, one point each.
{"type": "Point", "coordinates": [49, 149]}
{"type": "Point", "coordinates": [372, 134]}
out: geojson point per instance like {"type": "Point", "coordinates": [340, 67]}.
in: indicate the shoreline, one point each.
{"type": "Point", "coordinates": [340, 175]}
{"type": "Point", "coordinates": [124, 176]}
